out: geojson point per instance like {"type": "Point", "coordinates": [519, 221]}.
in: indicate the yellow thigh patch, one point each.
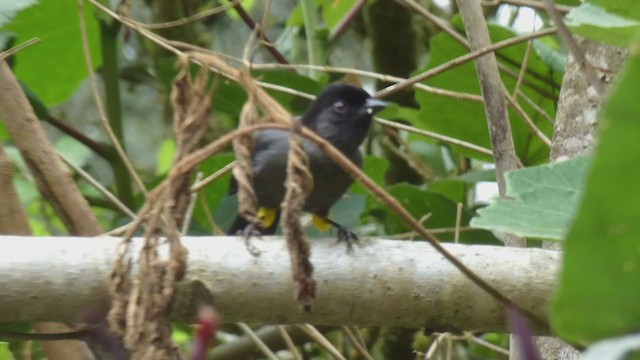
{"type": "Point", "coordinates": [267, 216]}
{"type": "Point", "coordinates": [320, 223]}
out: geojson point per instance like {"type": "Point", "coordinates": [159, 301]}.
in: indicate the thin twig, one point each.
{"type": "Point", "coordinates": [523, 68]}
{"type": "Point", "coordinates": [256, 339]}
{"type": "Point", "coordinates": [346, 20]}
{"type": "Point", "coordinates": [470, 337]}
{"type": "Point", "coordinates": [186, 222]}
{"type": "Point", "coordinates": [96, 95]}
{"type": "Point", "coordinates": [289, 342]}
{"type": "Point", "coordinates": [527, 120]}
{"type": "Point", "coordinates": [98, 148]}
{"type": "Point", "coordinates": [186, 20]}
{"type": "Point", "coordinates": [462, 60]}
{"type": "Point", "coordinates": [354, 341]}
{"type": "Point", "coordinates": [538, 5]}
{"type": "Point", "coordinates": [373, 75]}
{"type": "Point", "coordinates": [213, 177]}
{"type": "Point", "coordinates": [268, 44]}
{"type": "Point", "coordinates": [436, 136]}
{"type": "Point", "coordinates": [317, 336]}
{"type": "Point", "coordinates": [536, 107]}
{"type": "Point", "coordinates": [104, 191]}
{"type": "Point", "coordinates": [5, 54]}
{"type": "Point", "coordinates": [575, 50]}
{"type": "Point", "coordinates": [456, 234]}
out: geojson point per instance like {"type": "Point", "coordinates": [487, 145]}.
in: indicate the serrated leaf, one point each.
{"type": "Point", "coordinates": [541, 201]}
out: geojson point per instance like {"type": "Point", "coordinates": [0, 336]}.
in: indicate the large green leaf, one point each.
{"type": "Point", "coordinates": [626, 8]}
{"type": "Point", "coordinates": [213, 194]}
{"type": "Point", "coordinates": [600, 281]}
{"type": "Point", "coordinates": [335, 10]}
{"type": "Point", "coordinates": [9, 9]}
{"type": "Point", "coordinates": [466, 120]}
{"type": "Point", "coordinates": [54, 68]}
{"type": "Point", "coordinates": [596, 23]}
{"type": "Point", "coordinates": [5, 352]}
{"type": "Point", "coordinates": [419, 202]}
{"type": "Point", "coordinates": [541, 201]}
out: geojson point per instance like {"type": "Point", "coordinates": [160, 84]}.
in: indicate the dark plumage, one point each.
{"type": "Point", "coordinates": [342, 115]}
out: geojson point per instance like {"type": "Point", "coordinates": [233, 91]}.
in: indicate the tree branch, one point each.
{"type": "Point", "coordinates": [384, 282]}
{"type": "Point", "coordinates": [53, 181]}
{"type": "Point", "coordinates": [495, 108]}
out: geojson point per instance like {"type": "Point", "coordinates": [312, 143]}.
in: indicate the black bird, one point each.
{"type": "Point", "coordinates": [342, 115]}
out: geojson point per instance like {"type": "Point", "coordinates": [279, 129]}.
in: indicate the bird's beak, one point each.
{"type": "Point", "coordinates": [373, 105]}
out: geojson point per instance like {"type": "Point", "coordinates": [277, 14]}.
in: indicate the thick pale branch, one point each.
{"type": "Point", "coordinates": [384, 282]}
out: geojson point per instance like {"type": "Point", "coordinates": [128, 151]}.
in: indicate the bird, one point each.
{"type": "Point", "coordinates": [342, 115]}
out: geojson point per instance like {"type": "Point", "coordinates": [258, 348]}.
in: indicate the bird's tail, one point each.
{"type": "Point", "coordinates": [240, 223]}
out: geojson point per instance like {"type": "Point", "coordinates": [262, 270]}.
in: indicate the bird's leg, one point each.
{"type": "Point", "coordinates": [344, 234]}
{"type": "Point", "coordinates": [249, 231]}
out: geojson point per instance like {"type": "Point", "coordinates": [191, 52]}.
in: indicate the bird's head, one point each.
{"type": "Point", "coordinates": [342, 114]}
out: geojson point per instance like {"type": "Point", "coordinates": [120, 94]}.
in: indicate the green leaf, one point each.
{"type": "Point", "coordinates": [613, 349]}
{"type": "Point", "coordinates": [333, 11]}
{"type": "Point", "coordinates": [375, 167]}
{"type": "Point", "coordinates": [4, 134]}
{"type": "Point", "coordinates": [455, 190]}
{"type": "Point", "coordinates": [420, 203]}
{"type": "Point", "coordinates": [540, 201]}
{"type": "Point", "coordinates": [166, 155]}
{"type": "Point", "coordinates": [5, 353]}
{"type": "Point", "coordinates": [466, 120]}
{"type": "Point", "coordinates": [292, 80]}
{"type": "Point", "coordinates": [599, 284]}
{"type": "Point", "coordinates": [74, 151]}
{"type": "Point", "coordinates": [594, 22]}
{"type": "Point", "coordinates": [626, 8]}
{"type": "Point", "coordinates": [556, 59]}
{"type": "Point", "coordinates": [9, 9]}
{"type": "Point", "coordinates": [214, 193]}
{"type": "Point", "coordinates": [55, 67]}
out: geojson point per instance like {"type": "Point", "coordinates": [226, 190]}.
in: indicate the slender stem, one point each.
{"type": "Point", "coordinates": [494, 94]}
{"type": "Point", "coordinates": [315, 36]}
{"type": "Point", "coordinates": [109, 30]}
{"type": "Point", "coordinates": [260, 34]}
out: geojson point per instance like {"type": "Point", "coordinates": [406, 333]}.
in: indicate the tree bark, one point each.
{"type": "Point", "coordinates": [390, 283]}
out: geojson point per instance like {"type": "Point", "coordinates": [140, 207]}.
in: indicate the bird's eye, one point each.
{"type": "Point", "coordinates": [340, 107]}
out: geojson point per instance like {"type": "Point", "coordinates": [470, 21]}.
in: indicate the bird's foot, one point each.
{"type": "Point", "coordinates": [347, 236]}
{"type": "Point", "coordinates": [249, 231]}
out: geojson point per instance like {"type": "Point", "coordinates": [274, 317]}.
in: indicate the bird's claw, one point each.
{"type": "Point", "coordinates": [247, 233]}
{"type": "Point", "coordinates": [347, 236]}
